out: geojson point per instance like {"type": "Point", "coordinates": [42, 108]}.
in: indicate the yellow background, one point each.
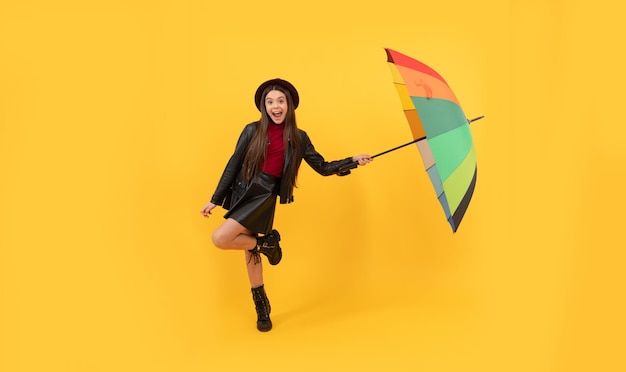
{"type": "Point", "coordinates": [117, 118]}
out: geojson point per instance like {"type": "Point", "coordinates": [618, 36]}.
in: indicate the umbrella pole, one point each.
{"type": "Point", "coordinates": [419, 139]}
{"type": "Point", "coordinates": [345, 170]}
{"type": "Point", "coordinates": [398, 147]}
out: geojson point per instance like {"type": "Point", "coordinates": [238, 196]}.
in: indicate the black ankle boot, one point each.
{"type": "Point", "coordinates": [268, 245]}
{"type": "Point", "coordinates": [263, 309]}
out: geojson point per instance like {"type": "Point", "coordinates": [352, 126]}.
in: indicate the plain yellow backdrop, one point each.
{"type": "Point", "coordinates": [117, 118]}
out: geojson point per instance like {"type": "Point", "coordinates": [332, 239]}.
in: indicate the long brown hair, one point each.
{"type": "Point", "coordinates": [255, 155]}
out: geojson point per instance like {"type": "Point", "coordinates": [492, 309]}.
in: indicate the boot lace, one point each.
{"type": "Point", "coordinates": [257, 257]}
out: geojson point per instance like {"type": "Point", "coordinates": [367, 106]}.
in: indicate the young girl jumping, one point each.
{"type": "Point", "coordinates": [264, 167]}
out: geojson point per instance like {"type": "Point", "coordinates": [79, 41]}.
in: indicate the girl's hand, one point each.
{"type": "Point", "coordinates": [206, 210]}
{"type": "Point", "coordinates": [362, 159]}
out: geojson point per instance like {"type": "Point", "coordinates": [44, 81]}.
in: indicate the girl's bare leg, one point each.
{"type": "Point", "coordinates": [255, 270]}
{"type": "Point", "coordinates": [233, 235]}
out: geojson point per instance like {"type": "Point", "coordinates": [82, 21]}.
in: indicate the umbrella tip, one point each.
{"type": "Point", "coordinates": [389, 57]}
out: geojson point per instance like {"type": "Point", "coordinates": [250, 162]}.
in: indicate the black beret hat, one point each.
{"type": "Point", "coordinates": [282, 83]}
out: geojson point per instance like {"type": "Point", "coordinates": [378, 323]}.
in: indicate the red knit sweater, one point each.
{"type": "Point", "coordinates": [275, 155]}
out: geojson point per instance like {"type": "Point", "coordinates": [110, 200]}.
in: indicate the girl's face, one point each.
{"type": "Point", "coordinates": [276, 106]}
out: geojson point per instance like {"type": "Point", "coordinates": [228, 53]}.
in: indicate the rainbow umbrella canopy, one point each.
{"type": "Point", "coordinates": [440, 130]}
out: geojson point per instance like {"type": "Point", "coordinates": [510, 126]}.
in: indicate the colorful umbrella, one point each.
{"type": "Point", "coordinates": [440, 130]}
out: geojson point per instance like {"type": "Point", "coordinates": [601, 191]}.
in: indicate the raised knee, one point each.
{"type": "Point", "coordinates": [219, 240]}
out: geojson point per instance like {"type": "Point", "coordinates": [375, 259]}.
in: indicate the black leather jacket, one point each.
{"type": "Point", "coordinates": [307, 152]}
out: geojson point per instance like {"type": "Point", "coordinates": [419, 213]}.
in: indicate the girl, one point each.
{"type": "Point", "coordinates": [263, 167]}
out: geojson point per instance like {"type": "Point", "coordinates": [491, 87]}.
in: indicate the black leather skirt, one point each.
{"type": "Point", "coordinates": [254, 204]}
